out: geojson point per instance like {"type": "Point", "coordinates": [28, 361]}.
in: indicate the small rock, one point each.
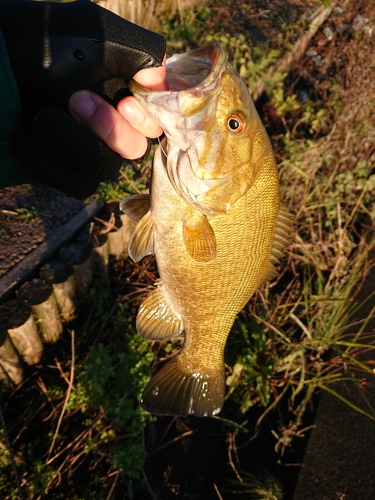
{"type": "Point", "coordinates": [359, 22]}
{"type": "Point", "coordinates": [317, 61]}
{"type": "Point", "coordinates": [328, 33]}
{"type": "Point", "coordinates": [369, 29]}
{"type": "Point", "coordinates": [303, 96]}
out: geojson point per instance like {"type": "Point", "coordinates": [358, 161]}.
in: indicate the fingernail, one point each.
{"type": "Point", "coordinates": [132, 113]}
{"type": "Point", "coordinates": [81, 105]}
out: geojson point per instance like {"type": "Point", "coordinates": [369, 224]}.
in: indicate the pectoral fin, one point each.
{"type": "Point", "coordinates": [283, 230]}
{"type": "Point", "coordinates": [199, 238]}
{"type": "Point", "coordinates": [136, 206]}
{"type": "Point", "coordinates": [156, 320]}
{"type": "Point", "coordinates": [142, 239]}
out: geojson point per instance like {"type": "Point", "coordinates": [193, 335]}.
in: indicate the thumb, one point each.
{"type": "Point", "coordinates": [153, 78]}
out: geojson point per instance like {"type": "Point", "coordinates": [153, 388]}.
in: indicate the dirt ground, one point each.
{"type": "Point", "coordinates": [29, 214]}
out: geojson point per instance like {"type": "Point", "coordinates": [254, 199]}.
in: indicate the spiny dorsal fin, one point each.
{"type": "Point", "coordinates": [174, 390]}
{"type": "Point", "coordinates": [284, 228]}
{"type": "Point", "coordinates": [199, 238]}
{"type": "Point", "coordinates": [155, 319]}
{"type": "Point", "coordinates": [270, 273]}
{"type": "Point", "coordinates": [136, 206]}
{"type": "Point", "coordinates": [142, 239]}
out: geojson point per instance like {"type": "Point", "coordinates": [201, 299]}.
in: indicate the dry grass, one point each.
{"type": "Point", "coordinates": [148, 13]}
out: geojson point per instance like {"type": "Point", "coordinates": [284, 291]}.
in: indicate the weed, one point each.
{"type": "Point", "coordinates": [133, 179]}
{"type": "Point", "coordinates": [30, 214]}
{"type": "Point", "coordinates": [258, 485]}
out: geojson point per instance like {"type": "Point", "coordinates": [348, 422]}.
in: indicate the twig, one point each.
{"type": "Point", "coordinates": [108, 225]}
{"type": "Point", "coordinates": [232, 448]}
{"type": "Point", "coordinates": [261, 13]}
{"type": "Point", "coordinates": [148, 484]}
{"type": "Point", "coordinates": [181, 436]}
{"type": "Point", "coordinates": [9, 212]}
{"type": "Point", "coordinates": [113, 485]}
{"type": "Point", "coordinates": [218, 492]}
{"type": "Point", "coordinates": [74, 442]}
{"type": "Point", "coordinates": [61, 371]}
{"type": "Point", "coordinates": [66, 398]}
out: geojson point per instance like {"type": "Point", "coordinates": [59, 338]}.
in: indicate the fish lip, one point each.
{"type": "Point", "coordinates": [211, 51]}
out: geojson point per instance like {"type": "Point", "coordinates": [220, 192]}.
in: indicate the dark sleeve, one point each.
{"type": "Point", "coordinates": [12, 171]}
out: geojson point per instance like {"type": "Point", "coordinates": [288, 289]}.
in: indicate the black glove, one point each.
{"type": "Point", "coordinates": [55, 50]}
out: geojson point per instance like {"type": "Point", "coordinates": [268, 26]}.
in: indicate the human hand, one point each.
{"type": "Point", "coordinates": [125, 129]}
{"type": "Point", "coordinates": [58, 49]}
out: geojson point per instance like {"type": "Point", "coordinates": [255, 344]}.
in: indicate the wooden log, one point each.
{"type": "Point", "coordinates": [113, 213]}
{"type": "Point", "coordinates": [40, 296]}
{"type": "Point", "coordinates": [116, 246]}
{"type": "Point", "coordinates": [11, 370]}
{"type": "Point", "coordinates": [27, 268]}
{"type": "Point", "coordinates": [18, 320]}
{"type": "Point", "coordinates": [61, 276]}
{"type": "Point", "coordinates": [80, 257]}
{"type": "Point", "coordinates": [111, 225]}
{"type": "Point", "coordinates": [100, 254]}
{"type": "Point", "coordinates": [127, 229]}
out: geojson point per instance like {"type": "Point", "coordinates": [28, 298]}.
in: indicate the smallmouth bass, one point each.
{"type": "Point", "coordinates": [213, 220]}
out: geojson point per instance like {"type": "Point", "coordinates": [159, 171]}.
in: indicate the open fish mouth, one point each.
{"type": "Point", "coordinates": [199, 66]}
{"type": "Point", "coordinates": [193, 80]}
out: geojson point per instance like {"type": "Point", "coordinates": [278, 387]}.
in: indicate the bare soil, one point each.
{"type": "Point", "coordinates": [29, 214]}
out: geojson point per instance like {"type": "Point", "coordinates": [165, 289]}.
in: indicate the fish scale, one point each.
{"type": "Point", "coordinates": [217, 231]}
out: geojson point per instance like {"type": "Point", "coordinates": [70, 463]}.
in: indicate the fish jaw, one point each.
{"type": "Point", "coordinates": [179, 109]}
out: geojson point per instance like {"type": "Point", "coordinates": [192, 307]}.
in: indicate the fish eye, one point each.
{"type": "Point", "coordinates": [236, 123]}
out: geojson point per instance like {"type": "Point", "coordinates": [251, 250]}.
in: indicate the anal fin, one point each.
{"type": "Point", "coordinates": [174, 390]}
{"type": "Point", "coordinates": [156, 320]}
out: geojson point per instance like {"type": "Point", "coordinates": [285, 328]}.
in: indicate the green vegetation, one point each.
{"type": "Point", "coordinates": [298, 335]}
{"type": "Point", "coordinates": [30, 214]}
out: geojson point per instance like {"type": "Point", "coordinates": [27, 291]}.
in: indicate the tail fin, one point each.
{"type": "Point", "coordinates": [174, 390]}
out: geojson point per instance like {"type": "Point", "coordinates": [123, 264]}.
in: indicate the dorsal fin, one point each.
{"type": "Point", "coordinates": [283, 230]}
{"type": "Point", "coordinates": [199, 238]}
{"type": "Point", "coordinates": [156, 320]}
{"type": "Point", "coordinates": [136, 206]}
{"type": "Point", "coordinates": [142, 239]}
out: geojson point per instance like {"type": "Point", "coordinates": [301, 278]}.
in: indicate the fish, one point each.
{"type": "Point", "coordinates": [212, 219]}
